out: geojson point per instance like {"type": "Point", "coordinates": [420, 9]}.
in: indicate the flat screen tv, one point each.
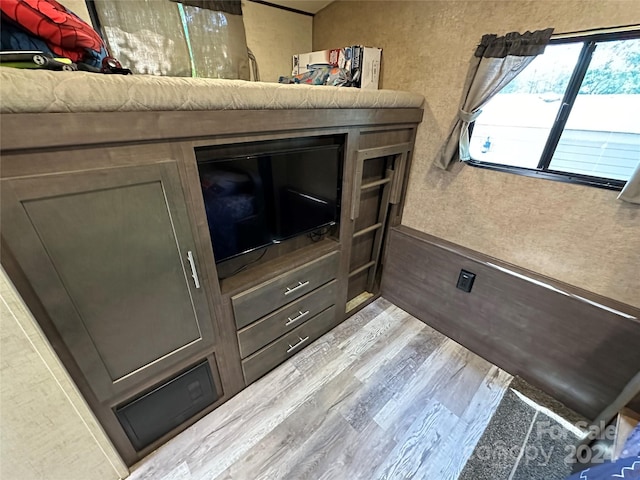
{"type": "Point", "coordinates": [256, 200]}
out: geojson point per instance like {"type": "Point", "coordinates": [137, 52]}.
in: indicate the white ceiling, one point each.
{"type": "Point", "coordinates": [309, 6]}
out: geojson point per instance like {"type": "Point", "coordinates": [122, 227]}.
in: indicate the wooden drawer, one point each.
{"type": "Point", "coordinates": [272, 294]}
{"type": "Point", "coordinates": [288, 345]}
{"type": "Point", "coordinates": [267, 329]}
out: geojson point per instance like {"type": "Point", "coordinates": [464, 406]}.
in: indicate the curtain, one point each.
{"type": "Point", "coordinates": [146, 36]}
{"type": "Point", "coordinates": [218, 43]}
{"type": "Point", "coordinates": [201, 38]}
{"type": "Point", "coordinates": [631, 191]}
{"type": "Point", "coordinates": [496, 61]}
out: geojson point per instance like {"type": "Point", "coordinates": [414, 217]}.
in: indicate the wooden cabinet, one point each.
{"type": "Point", "coordinates": [260, 333]}
{"type": "Point", "coordinates": [282, 333]}
{"type": "Point", "coordinates": [288, 345]}
{"type": "Point", "coordinates": [106, 238]}
{"type": "Point", "coordinates": [110, 255]}
{"type": "Point", "coordinates": [378, 186]}
{"type": "Point", "coordinates": [261, 299]}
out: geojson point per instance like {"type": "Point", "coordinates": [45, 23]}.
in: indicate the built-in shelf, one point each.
{"type": "Point", "coordinates": [366, 230]}
{"type": "Point", "coordinates": [377, 183]}
{"type": "Point", "coordinates": [362, 268]}
{"type": "Point", "coordinates": [276, 266]}
{"type": "Point", "coordinates": [354, 303]}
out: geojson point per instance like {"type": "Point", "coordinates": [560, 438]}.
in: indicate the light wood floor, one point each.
{"type": "Point", "coordinates": [381, 396]}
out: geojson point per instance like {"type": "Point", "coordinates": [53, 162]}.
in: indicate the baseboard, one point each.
{"type": "Point", "coordinates": [578, 346]}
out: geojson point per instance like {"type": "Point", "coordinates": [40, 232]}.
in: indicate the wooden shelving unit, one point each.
{"type": "Point", "coordinates": [150, 159]}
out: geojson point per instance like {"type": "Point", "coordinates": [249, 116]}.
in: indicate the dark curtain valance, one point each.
{"type": "Point", "coordinates": [528, 44]}
{"type": "Point", "coordinates": [233, 7]}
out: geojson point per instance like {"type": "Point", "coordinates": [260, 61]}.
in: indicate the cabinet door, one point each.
{"type": "Point", "coordinates": [108, 253]}
{"type": "Point", "coordinates": [377, 185]}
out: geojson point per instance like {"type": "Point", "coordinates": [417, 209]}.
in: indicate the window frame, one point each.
{"type": "Point", "coordinates": [589, 42]}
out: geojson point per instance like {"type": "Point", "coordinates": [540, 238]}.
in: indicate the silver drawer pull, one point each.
{"type": "Point", "coordinates": [293, 289]}
{"type": "Point", "coordinates": [296, 318]}
{"type": "Point", "coordinates": [194, 272]}
{"type": "Point", "coordinates": [293, 347]}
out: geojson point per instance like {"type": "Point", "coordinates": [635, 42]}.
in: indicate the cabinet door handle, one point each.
{"type": "Point", "coordinates": [296, 318]}
{"type": "Point", "coordinates": [194, 272]}
{"type": "Point", "coordinates": [293, 347]}
{"type": "Point", "coordinates": [293, 289]}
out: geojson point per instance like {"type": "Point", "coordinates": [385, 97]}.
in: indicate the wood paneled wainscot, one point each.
{"type": "Point", "coordinates": [578, 346]}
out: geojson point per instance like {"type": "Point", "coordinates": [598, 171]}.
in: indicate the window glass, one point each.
{"type": "Point", "coordinates": [146, 36]}
{"type": "Point", "coordinates": [514, 125]}
{"type": "Point", "coordinates": [602, 135]}
{"type": "Point", "coordinates": [571, 113]}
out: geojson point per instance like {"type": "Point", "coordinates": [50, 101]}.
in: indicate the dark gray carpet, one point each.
{"type": "Point", "coordinates": [523, 443]}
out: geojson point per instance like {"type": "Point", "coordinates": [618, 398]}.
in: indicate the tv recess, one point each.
{"type": "Point", "coordinates": [259, 194]}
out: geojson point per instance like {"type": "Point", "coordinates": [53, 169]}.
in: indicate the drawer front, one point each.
{"type": "Point", "coordinates": [268, 296]}
{"type": "Point", "coordinates": [292, 315]}
{"type": "Point", "coordinates": [271, 356]}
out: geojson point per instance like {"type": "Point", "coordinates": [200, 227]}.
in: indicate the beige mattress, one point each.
{"type": "Point", "coordinates": [30, 91]}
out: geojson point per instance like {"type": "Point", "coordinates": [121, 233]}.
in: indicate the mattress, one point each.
{"type": "Point", "coordinates": [33, 91]}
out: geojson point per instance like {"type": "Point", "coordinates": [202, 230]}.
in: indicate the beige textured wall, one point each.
{"type": "Point", "coordinates": [274, 36]}
{"type": "Point", "coordinates": [46, 429]}
{"type": "Point", "coordinates": [580, 235]}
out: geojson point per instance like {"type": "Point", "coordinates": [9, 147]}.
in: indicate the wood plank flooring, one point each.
{"type": "Point", "coordinates": [382, 396]}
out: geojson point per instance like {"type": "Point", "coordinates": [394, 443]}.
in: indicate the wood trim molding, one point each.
{"type": "Point", "coordinates": [82, 129]}
{"type": "Point", "coordinates": [578, 346]}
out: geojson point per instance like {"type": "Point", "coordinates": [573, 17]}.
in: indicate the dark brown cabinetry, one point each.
{"type": "Point", "coordinates": [377, 188]}
{"type": "Point", "coordinates": [107, 241]}
{"type": "Point", "coordinates": [274, 293]}
{"type": "Point", "coordinates": [109, 254]}
{"type": "Point", "coordinates": [261, 332]}
{"type": "Point", "coordinates": [307, 318]}
{"type": "Point", "coordinates": [275, 353]}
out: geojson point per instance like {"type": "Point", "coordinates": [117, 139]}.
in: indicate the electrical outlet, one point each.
{"type": "Point", "coordinates": [465, 280]}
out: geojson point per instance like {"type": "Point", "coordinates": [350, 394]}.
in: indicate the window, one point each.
{"type": "Point", "coordinates": [571, 115]}
{"type": "Point", "coordinates": [176, 39]}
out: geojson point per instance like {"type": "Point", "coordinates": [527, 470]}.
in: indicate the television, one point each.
{"type": "Point", "coordinates": [273, 193]}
